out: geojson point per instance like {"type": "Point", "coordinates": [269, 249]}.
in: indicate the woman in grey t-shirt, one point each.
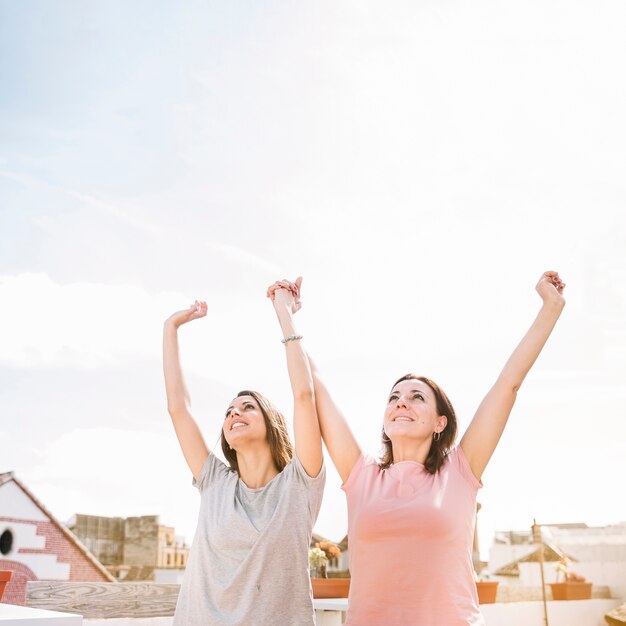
{"type": "Point", "coordinates": [249, 558]}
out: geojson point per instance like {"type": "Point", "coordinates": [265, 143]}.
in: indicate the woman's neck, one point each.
{"type": "Point", "coordinates": [410, 450]}
{"type": "Point", "coordinates": [256, 466]}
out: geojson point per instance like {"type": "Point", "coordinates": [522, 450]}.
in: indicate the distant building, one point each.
{"type": "Point", "coordinates": [132, 548]}
{"type": "Point", "coordinates": [104, 536]}
{"type": "Point", "coordinates": [598, 553]}
{"type": "Point", "coordinates": [37, 546]}
{"type": "Point", "coordinates": [340, 564]}
{"type": "Point", "coordinates": [173, 551]}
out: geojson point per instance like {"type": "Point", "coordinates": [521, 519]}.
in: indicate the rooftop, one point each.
{"type": "Point", "coordinates": [150, 604]}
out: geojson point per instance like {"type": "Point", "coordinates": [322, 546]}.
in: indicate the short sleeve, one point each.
{"type": "Point", "coordinates": [314, 485]}
{"type": "Point", "coordinates": [212, 469]}
{"type": "Point", "coordinates": [302, 474]}
{"type": "Point", "coordinates": [356, 471]}
{"type": "Point", "coordinates": [459, 460]}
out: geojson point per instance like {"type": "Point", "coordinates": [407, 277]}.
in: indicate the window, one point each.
{"type": "Point", "coordinates": [6, 542]}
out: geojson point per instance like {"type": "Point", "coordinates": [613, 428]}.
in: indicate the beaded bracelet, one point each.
{"type": "Point", "coordinates": [291, 338]}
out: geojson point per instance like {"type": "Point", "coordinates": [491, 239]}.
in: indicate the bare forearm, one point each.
{"type": "Point", "coordinates": [333, 424]}
{"type": "Point", "coordinates": [297, 362]}
{"type": "Point", "coordinates": [306, 430]}
{"type": "Point", "coordinates": [175, 388]}
{"type": "Point", "coordinates": [482, 436]}
{"type": "Point", "coordinates": [529, 348]}
{"type": "Point", "coordinates": [178, 403]}
{"type": "Point", "coordinates": [340, 442]}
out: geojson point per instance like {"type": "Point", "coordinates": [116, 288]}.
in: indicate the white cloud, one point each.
{"type": "Point", "coordinates": [115, 210]}
{"type": "Point", "coordinates": [90, 200]}
{"type": "Point", "coordinates": [81, 324]}
{"type": "Point", "coordinates": [240, 256]}
{"type": "Point", "coordinates": [105, 471]}
{"type": "Point", "coordinates": [89, 325]}
{"type": "Point", "coordinates": [111, 472]}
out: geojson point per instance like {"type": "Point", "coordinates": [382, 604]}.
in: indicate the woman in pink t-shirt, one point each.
{"type": "Point", "coordinates": [411, 516]}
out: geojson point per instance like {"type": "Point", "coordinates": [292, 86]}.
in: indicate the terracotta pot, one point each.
{"type": "Point", "coordinates": [5, 577]}
{"type": "Point", "coordinates": [571, 591]}
{"type": "Point", "coordinates": [487, 590]}
{"type": "Point", "coordinates": [330, 587]}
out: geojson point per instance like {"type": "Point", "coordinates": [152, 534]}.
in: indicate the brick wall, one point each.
{"type": "Point", "coordinates": [58, 544]}
{"type": "Point", "coordinates": [15, 591]}
{"type": "Point", "coordinates": [82, 569]}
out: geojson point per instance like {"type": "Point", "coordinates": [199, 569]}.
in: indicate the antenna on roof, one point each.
{"type": "Point", "coordinates": [538, 539]}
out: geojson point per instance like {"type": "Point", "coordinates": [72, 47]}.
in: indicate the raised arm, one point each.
{"type": "Point", "coordinates": [484, 432]}
{"type": "Point", "coordinates": [305, 425]}
{"type": "Point", "coordinates": [340, 442]}
{"type": "Point", "coordinates": [189, 436]}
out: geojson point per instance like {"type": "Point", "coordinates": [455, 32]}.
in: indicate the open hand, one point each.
{"type": "Point", "coordinates": [197, 310]}
{"type": "Point", "coordinates": [550, 287]}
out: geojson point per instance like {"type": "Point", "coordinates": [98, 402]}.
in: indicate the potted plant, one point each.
{"type": "Point", "coordinates": [572, 586]}
{"type": "Point", "coordinates": [5, 577]}
{"type": "Point", "coordinates": [486, 589]}
{"type": "Point", "coordinates": [324, 587]}
{"type": "Point", "coordinates": [317, 562]}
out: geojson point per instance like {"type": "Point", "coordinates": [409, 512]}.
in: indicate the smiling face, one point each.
{"type": "Point", "coordinates": [244, 422]}
{"type": "Point", "coordinates": [411, 411]}
{"type": "Point", "coordinates": [417, 408]}
{"type": "Point", "coordinates": [252, 420]}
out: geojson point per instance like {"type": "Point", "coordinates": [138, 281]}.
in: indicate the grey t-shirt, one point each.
{"type": "Point", "coordinates": [248, 564]}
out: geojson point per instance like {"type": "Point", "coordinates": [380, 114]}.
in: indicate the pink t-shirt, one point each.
{"type": "Point", "coordinates": [410, 536]}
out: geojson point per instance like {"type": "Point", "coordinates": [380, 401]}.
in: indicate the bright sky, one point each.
{"type": "Point", "coordinates": [419, 164]}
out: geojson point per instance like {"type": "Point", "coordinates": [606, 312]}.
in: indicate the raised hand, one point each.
{"type": "Point", "coordinates": [197, 310]}
{"type": "Point", "coordinates": [284, 293]}
{"type": "Point", "coordinates": [485, 429]}
{"type": "Point", "coordinates": [550, 287]}
{"type": "Point", "coordinates": [285, 297]}
{"type": "Point", "coordinates": [178, 402]}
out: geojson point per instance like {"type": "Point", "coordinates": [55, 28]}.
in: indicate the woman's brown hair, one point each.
{"type": "Point", "coordinates": [440, 448]}
{"type": "Point", "coordinates": [277, 434]}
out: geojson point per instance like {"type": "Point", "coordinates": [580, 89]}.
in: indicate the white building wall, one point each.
{"type": "Point", "coordinates": [45, 566]}
{"type": "Point", "coordinates": [342, 563]}
{"type": "Point", "coordinates": [16, 504]}
{"type": "Point", "coordinates": [599, 553]}
{"type": "Point", "coordinates": [24, 536]}
{"type": "Point", "coordinates": [169, 576]}
{"type": "Point", "coordinates": [530, 574]}
{"type": "Point", "coordinates": [570, 613]}
{"type": "Point", "coordinates": [502, 554]}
